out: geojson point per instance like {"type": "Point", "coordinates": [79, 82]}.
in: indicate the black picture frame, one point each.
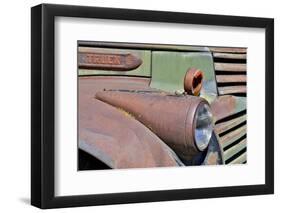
{"type": "Point", "coordinates": [43, 105]}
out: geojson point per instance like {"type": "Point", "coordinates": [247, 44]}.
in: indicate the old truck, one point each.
{"type": "Point", "coordinates": [155, 105]}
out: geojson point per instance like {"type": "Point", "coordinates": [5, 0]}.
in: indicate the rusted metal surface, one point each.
{"type": "Point", "coordinates": [114, 136]}
{"type": "Point", "coordinates": [193, 81]}
{"type": "Point", "coordinates": [229, 55]}
{"type": "Point", "coordinates": [168, 116]}
{"type": "Point", "coordinates": [227, 125]}
{"type": "Point", "coordinates": [173, 61]}
{"type": "Point", "coordinates": [227, 105]}
{"type": "Point", "coordinates": [106, 132]}
{"type": "Point", "coordinates": [228, 49]}
{"type": "Point", "coordinates": [231, 78]}
{"type": "Point", "coordinates": [232, 90]}
{"type": "Point", "coordinates": [214, 155]}
{"type": "Point", "coordinates": [99, 83]}
{"type": "Point", "coordinates": [108, 61]}
{"type": "Point", "coordinates": [230, 67]}
{"type": "Point", "coordinates": [228, 139]}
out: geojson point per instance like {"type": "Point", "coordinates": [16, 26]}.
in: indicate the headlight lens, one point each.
{"type": "Point", "coordinates": [203, 126]}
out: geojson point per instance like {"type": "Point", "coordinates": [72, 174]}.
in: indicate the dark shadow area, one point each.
{"type": "Point", "coordinates": [88, 162]}
{"type": "Point", "coordinates": [230, 60]}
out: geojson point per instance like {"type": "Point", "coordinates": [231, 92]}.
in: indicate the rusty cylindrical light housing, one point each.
{"type": "Point", "coordinates": [193, 81]}
{"type": "Point", "coordinates": [178, 120]}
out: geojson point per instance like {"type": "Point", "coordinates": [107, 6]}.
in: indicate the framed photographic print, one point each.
{"type": "Point", "coordinates": [140, 106]}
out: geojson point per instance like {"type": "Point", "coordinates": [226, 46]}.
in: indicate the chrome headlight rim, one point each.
{"type": "Point", "coordinates": [203, 145]}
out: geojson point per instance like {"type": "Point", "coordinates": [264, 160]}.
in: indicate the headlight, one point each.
{"type": "Point", "coordinates": [203, 126]}
{"type": "Point", "coordinates": [183, 122]}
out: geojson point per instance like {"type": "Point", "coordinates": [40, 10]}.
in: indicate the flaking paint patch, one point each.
{"type": "Point", "coordinates": [127, 114]}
